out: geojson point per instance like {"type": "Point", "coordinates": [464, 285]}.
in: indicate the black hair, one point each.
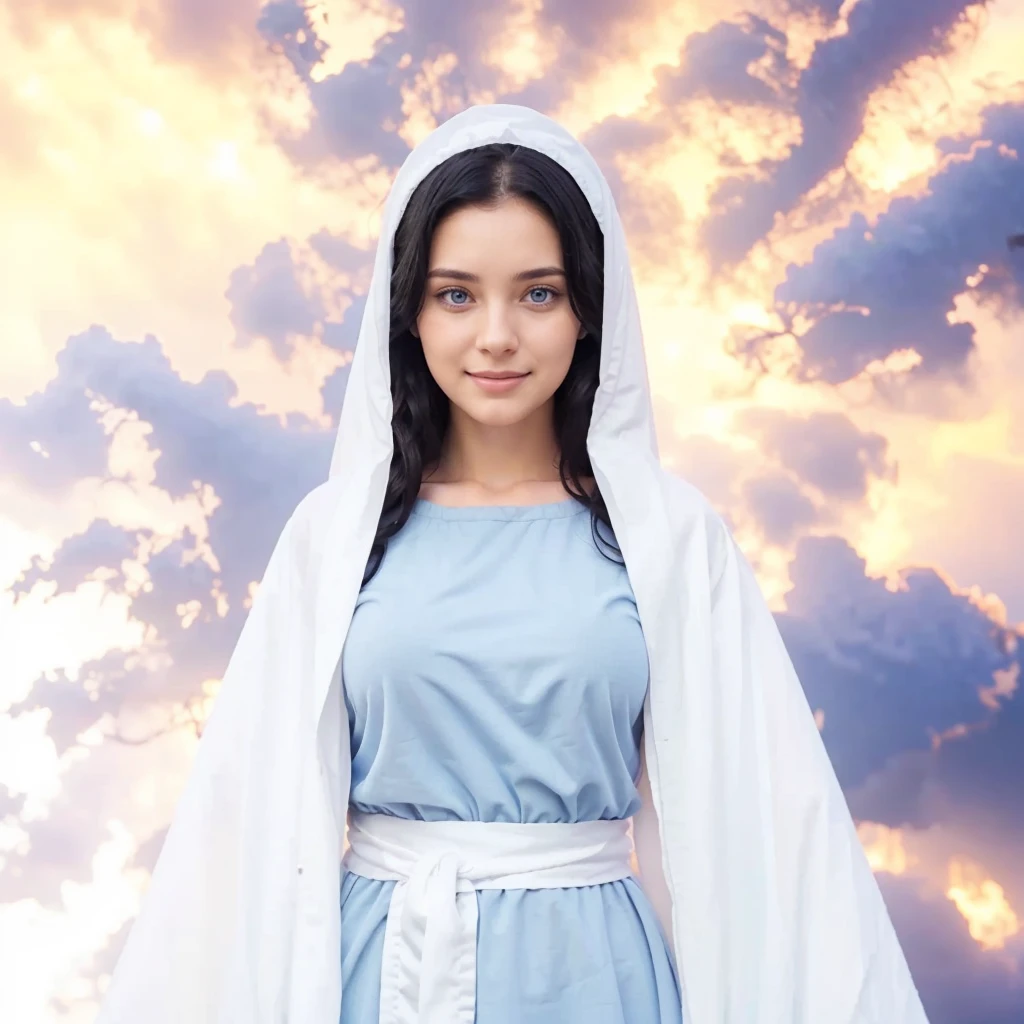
{"type": "Point", "coordinates": [485, 176]}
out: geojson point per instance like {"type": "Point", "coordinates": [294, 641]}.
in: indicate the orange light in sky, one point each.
{"type": "Point", "coordinates": [884, 847]}
{"type": "Point", "coordinates": [989, 916]}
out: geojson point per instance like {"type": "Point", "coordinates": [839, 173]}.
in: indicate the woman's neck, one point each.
{"type": "Point", "coordinates": [498, 459]}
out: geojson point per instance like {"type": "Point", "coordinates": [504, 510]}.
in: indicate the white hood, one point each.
{"type": "Point", "coordinates": [622, 407]}
{"type": "Point", "coordinates": [744, 842]}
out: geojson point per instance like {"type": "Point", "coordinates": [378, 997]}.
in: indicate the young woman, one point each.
{"type": "Point", "coordinates": [495, 668]}
{"type": "Point", "coordinates": [508, 686]}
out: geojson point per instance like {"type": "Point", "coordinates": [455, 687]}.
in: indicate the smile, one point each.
{"type": "Point", "coordinates": [497, 385]}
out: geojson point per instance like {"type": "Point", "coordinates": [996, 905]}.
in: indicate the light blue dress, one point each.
{"type": "Point", "coordinates": [495, 670]}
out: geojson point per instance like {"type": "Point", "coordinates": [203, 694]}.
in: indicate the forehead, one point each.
{"type": "Point", "coordinates": [496, 238]}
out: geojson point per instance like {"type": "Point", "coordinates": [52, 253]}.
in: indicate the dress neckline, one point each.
{"type": "Point", "coordinates": [501, 513]}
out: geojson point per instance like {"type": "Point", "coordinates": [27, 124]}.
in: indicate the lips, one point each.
{"type": "Point", "coordinates": [498, 383]}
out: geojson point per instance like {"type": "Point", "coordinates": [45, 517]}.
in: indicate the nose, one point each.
{"type": "Point", "coordinates": [498, 332]}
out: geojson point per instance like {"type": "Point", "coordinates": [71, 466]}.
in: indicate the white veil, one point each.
{"type": "Point", "coordinates": [744, 842]}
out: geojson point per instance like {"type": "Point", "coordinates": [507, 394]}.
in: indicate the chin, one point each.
{"type": "Point", "coordinates": [498, 414]}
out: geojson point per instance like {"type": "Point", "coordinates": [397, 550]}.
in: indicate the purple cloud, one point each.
{"type": "Point", "coordinates": [10, 805]}
{"type": "Point", "coordinates": [100, 546]}
{"type": "Point", "coordinates": [780, 507]}
{"type": "Point", "coordinates": [61, 844]}
{"type": "Point", "coordinates": [359, 108]}
{"type": "Point", "coordinates": [831, 99]}
{"type": "Point", "coordinates": [959, 982]}
{"type": "Point", "coordinates": [197, 31]}
{"type": "Point", "coordinates": [717, 63]}
{"type": "Point", "coordinates": [247, 456]}
{"type": "Point", "coordinates": [267, 301]}
{"type": "Point", "coordinates": [258, 468]}
{"type": "Point", "coordinates": [890, 669]}
{"type": "Point", "coordinates": [55, 439]}
{"type": "Point", "coordinates": [978, 776]}
{"type": "Point", "coordinates": [870, 292]}
{"type": "Point", "coordinates": [824, 449]}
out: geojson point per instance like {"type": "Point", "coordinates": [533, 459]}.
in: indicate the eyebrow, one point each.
{"type": "Point", "coordinates": [523, 275]}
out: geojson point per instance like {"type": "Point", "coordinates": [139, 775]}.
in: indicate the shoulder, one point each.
{"type": "Point", "coordinates": [307, 523]}
{"type": "Point", "coordinates": [687, 502]}
{"type": "Point", "coordinates": [318, 503]}
{"type": "Point", "coordinates": [692, 514]}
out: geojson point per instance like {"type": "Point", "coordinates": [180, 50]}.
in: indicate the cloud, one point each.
{"type": "Point", "coordinates": [333, 391]}
{"type": "Point", "coordinates": [924, 724]}
{"type": "Point", "coordinates": [192, 31]}
{"type": "Point", "coordinates": [779, 506]}
{"type": "Point", "coordinates": [829, 9]}
{"type": "Point", "coordinates": [194, 602]}
{"type": "Point", "coordinates": [900, 793]}
{"type": "Point", "coordinates": [257, 467]}
{"type": "Point", "coordinates": [199, 32]}
{"type": "Point", "coordinates": [355, 111]}
{"type": "Point", "coordinates": [317, 290]}
{"type": "Point", "coordinates": [10, 804]}
{"type": "Point", "coordinates": [986, 491]}
{"type": "Point", "coordinates": [79, 557]}
{"type": "Point", "coordinates": [144, 692]}
{"type": "Point", "coordinates": [590, 29]}
{"type": "Point", "coordinates": [870, 292]}
{"type": "Point", "coordinates": [54, 439]}
{"type": "Point", "coordinates": [715, 115]}
{"type": "Point", "coordinates": [804, 470]}
{"type": "Point", "coordinates": [445, 55]}
{"type": "Point", "coordinates": [291, 293]}
{"type": "Point", "coordinates": [958, 980]}
{"type": "Point", "coordinates": [979, 776]}
{"type": "Point", "coordinates": [824, 449]}
{"type": "Point", "coordinates": [890, 668]}
{"type": "Point", "coordinates": [288, 24]}
{"type": "Point", "coordinates": [831, 98]}
{"type": "Point", "coordinates": [712, 466]}
{"type": "Point", "coordinates": [646, 212]}
{"type": "Point", "coordinates": [268, 301]}
{"type": "Point", "coordinates": [965, 788]}
{"type": "Point", "coordinates": [343, 256]}
{"type": "Point", "coordinates": [75, 704]}
{"type": "Point", "coordinates": [100, 789]}
{"type": "Point", "coordinates": [719, 64]}
{"type": "Point", "coordinates": [251, 460]}
{"type": "Point", "coordinates": [358, 110]}
{"type": "Point", "coordinates": [432, 27]}
{"type": "Point", "coordinates": [341, 332]}
{"type": "Point", "coordinates": [57, 843]}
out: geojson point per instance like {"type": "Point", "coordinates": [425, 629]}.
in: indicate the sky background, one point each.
{"type": "Point", "coordinates": [818, 197]}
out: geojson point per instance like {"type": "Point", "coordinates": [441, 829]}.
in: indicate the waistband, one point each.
{"type": "Point", "coordinates": [428, 971]}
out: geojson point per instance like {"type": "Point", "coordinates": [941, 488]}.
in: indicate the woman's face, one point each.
{"type": "Point", "coordinates": [496, 303]}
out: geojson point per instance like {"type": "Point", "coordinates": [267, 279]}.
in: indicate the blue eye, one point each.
{"type": "Point", "coordinates": [450, 295]}
{"type": "Point", "coordinates": [546, 295]}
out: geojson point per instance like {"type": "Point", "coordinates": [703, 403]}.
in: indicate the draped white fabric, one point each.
{"type": "Point", "coordinates": [744, 842]}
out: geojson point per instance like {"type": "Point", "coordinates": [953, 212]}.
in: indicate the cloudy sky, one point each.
{"type": "Point", "coordinates": [818, 197]}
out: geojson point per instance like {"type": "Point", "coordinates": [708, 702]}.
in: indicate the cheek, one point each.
{"type": "Point", "coordinates": [442, 342]}
{"type": "Point", "coordinates": [554, 342]}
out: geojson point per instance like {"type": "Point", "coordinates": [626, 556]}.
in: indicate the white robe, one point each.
{"type": "Point", "coordinates": [744, 842]}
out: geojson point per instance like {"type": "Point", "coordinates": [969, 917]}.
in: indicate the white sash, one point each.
{"type": "Point", "coordinates": [428, 973]}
